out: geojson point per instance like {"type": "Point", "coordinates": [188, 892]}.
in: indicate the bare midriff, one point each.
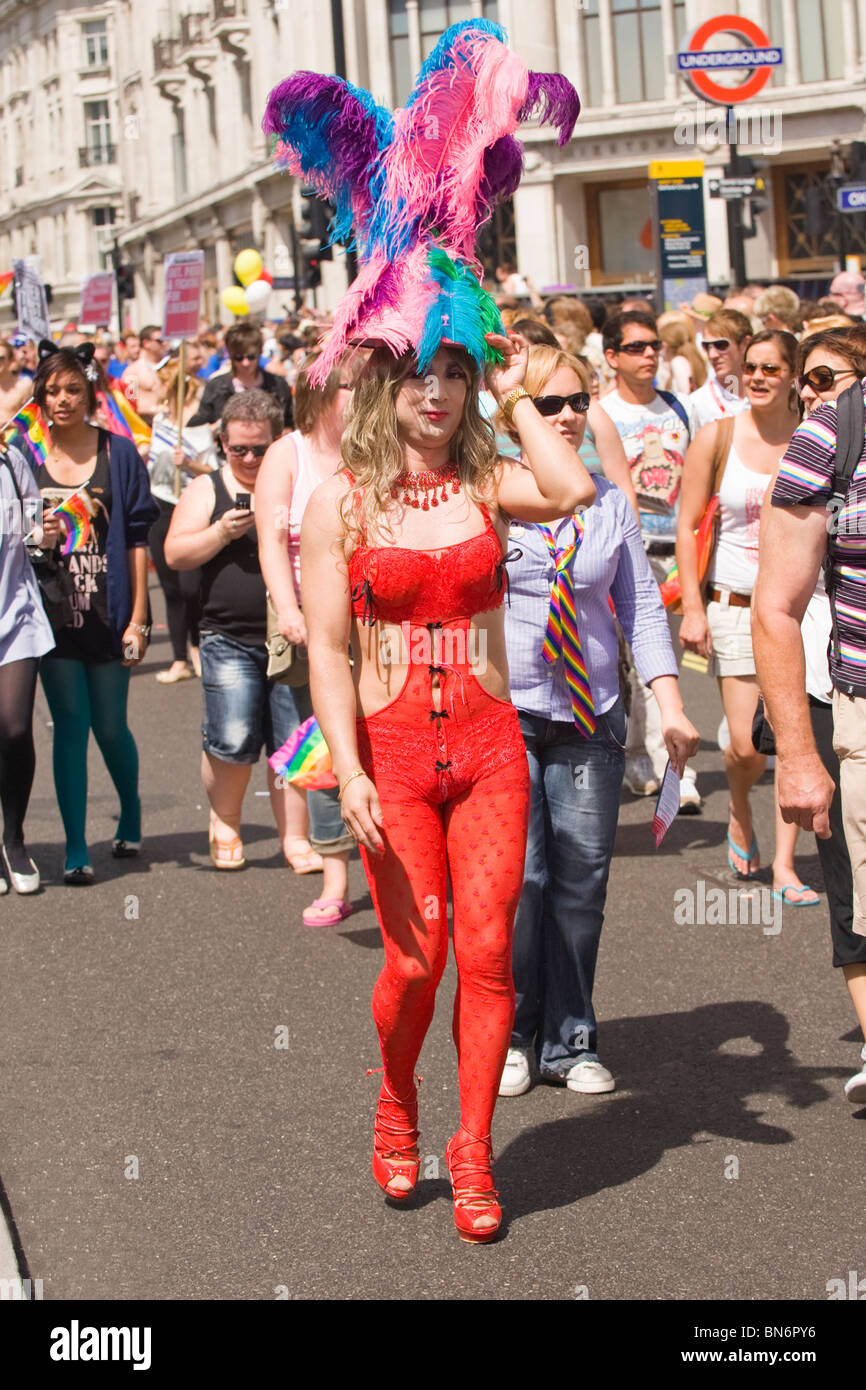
{"type": "Point", "coordinates": [383, 653]}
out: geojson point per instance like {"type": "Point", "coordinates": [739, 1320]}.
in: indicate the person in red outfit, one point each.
{"type": "Point", "coordinates": [403, 558]}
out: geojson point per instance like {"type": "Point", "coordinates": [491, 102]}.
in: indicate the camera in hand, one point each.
{"type": "Point", "coordinates": [243, 501]}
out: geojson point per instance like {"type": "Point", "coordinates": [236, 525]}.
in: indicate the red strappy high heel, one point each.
{"type": "Point", "coordinates": [395, 1143]}
{"type": "Point", "coordinates": [476, 1200]}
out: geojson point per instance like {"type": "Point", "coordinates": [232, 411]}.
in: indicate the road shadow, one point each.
{"type": "Point", "coordinates": [687, 1075]}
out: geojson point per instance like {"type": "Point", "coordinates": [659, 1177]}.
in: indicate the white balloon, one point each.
{"type": "Point", "coordinates": [258, 294]}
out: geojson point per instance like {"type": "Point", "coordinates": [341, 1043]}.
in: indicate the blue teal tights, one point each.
{"type": "Point", "coordinates": [82, 697]}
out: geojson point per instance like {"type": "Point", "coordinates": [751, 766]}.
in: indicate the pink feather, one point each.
{"type": "Point", "coordinates": [435, 165]}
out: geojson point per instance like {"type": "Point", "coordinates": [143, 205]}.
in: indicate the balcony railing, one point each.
{"type": "Point", "coordinates": [229, 9]}
{"type": "Point", "coordinates": [195, 28]}
{"type": "Point", "coordinates": [90, 155]}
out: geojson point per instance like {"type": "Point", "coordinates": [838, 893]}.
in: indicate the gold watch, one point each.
{"type": "Point", "coordinates": [511, 401]}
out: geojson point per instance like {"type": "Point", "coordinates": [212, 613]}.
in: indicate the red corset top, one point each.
{"type": "Point", "coordinates": [428, 586]}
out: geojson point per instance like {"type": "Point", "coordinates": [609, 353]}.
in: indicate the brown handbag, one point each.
{"type": "Point", "coordinates": [288, 662]}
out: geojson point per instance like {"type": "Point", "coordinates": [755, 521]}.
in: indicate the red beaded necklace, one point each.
{"type": "Point", "coordinates": [425, 482]}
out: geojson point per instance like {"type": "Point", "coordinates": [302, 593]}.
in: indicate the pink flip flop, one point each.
{"type": "Point", "coordinates": [341, 909]}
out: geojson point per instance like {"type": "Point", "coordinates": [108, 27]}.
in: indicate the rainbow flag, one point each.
{"type": "Point", "coordinates": [304, 759]}
{"type": "Point", "coordinates": [28, 432]}
{"type": "Point", "coordinates": [6, 280]}
{"type": "Point", "coordinates": [75, 513]}
{"type": "Point", "coordinates": [122, 419]}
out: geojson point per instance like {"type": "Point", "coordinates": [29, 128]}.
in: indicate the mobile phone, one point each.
{"type": "Point", "coordinates": [243, 501]}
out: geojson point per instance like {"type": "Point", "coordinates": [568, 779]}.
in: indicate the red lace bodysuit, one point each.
{"type": "Point", "coordinates": [453, 782]}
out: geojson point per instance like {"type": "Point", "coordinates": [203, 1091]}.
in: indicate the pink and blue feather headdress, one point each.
{"type": "Point", "coordinates": [415, 186]}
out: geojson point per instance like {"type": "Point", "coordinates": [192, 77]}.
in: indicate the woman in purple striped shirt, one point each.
{"type": "Point", "coordinates": [563, 658]}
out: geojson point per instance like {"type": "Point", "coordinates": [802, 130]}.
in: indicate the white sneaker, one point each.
{"type": "Point", "coordinates": [515, 1074]}
{"type": "Point", "coordinates": [855, 1089]}
{"type": "Point", "coordinates": [640, 777]}
{"type": "Point", "coordinates": [589, 1077]}
{"type": "Point", "coordinates": [690, 797]}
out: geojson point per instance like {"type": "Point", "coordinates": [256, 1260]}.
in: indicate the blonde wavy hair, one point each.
{"type": "Point", "coordinates": [542, 363]}
{"type": "Point", "coordinates": [371, 443]}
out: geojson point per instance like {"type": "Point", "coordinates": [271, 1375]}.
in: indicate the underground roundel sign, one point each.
{"type": "Point", "coordinates": [758, 55]}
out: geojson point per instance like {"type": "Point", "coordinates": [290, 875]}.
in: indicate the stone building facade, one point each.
{"type": "Point", "coordinates": [140, 119]}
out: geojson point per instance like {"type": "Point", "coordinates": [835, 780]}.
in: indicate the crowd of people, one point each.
{"type": "Point", "coordinates": [452, 528]}
{"type": "Point", "coordinates": [636, 423]}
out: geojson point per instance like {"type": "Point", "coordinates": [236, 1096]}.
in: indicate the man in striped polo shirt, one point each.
{"type": "Point", "coordinates": [804, 523]}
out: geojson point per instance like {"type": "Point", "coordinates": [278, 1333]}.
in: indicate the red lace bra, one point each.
{"type": "Point", "coordinates": [397, 584]}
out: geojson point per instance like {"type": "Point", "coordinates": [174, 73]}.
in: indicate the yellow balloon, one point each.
{"type": "Point", "coordinates": [235, 300]}
{"type": "Point", "coordinates": [248, 266]}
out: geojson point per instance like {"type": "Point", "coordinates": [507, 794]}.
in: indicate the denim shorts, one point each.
{"type": "Point", "coordinates": [244, 711]}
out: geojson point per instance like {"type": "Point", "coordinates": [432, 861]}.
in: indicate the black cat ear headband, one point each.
{"type": "Point", "coordinates": [84, 352]}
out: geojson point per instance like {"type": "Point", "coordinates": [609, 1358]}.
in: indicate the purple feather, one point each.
{"type": "Point", "coordinates": [335, 134]}
{"type": "Point", "coordinates": [561, 103]}
{"type": "Point", "coordinates": [503, 166]}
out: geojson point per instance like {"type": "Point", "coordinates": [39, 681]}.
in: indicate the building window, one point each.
{"type": "Point", "coordinates": [497, 241]}
{"type": "Point", "coordinates": [619, 226]}
{"type": "Point", "coordinates": [97, 125]}
{"type": "Point", "coordinates": [819, 30]}
{"type": "Point", "coordinates": [637, 42]}
{"type": "Point", "coordinates": [102, 222]}
{"type": "Point", "coordinates": [434, 17]}
{"type": "Point", "coordinates": [95, 44]}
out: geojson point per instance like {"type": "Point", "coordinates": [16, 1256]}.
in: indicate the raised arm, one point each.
{"type": "Point", "coordinates": [192, 538]}
{"type": "Point", "coordinates": [326, 598]}
{"type": "Point", "coordinates": [793, 541]}
{"type": "Point", "coordinates": [612, 455]}
{"type": "Point", "coordinates": [697, 488]}
{"type": "Point", "coordinates": [551, 481]}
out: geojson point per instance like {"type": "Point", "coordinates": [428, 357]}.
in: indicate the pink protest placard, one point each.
{"type": "Point", "coordinates": [184, 273]}
{"type": "Point", "coordinates": [96, 297]}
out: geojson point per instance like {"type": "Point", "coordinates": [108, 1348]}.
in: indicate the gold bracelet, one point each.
{"type": "Point", "coordinates": [511, 401]}
{"type": "Point", "coordinates": [359, 772]}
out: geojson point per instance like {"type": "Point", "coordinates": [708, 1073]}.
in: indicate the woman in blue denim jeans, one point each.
{"type": "Point", "coordinates": [214, 527]}
{"type": "Point", "coordinates": [563, 658]}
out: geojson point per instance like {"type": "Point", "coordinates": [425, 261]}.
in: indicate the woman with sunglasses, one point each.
{"type": "Point", "coordinates": [213, 528]}
{"type": "Point", "coordinates": [721, 631]}
{"type": "Point", "coordinates": [564, 673]}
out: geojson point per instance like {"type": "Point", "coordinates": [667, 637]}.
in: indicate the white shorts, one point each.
{"type": "Point", "coordinates": [731, 631]}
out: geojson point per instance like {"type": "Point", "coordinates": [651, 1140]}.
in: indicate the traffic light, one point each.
{"type": "Point", "coordinates": [125, 282]}
{"type": "Point", "coordinates": [857, 161]}
{"type": "Point", "coordinates": [311, 270]}
{"type": "Point", "coordinates": [314, 224]}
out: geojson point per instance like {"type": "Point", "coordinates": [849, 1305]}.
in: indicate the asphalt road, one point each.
{"type": "Point", "coordinates": [139, 1020]}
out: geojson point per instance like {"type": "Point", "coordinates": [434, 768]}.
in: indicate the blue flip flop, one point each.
{"type": "Point", "coordinates": [743, 855]}
{"type": "Point", "coordinates": [792, 888]}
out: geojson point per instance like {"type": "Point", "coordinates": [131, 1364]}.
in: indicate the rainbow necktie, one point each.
{"type": "Point", "coordinates": [561, 637]}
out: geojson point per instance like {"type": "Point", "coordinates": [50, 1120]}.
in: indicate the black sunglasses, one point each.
{"type": "Point", "coordinates": [720, 344]}
{"type": "Point", "coordinates": [552, 405]}
{"type": "Point", "coordinates": [240, 451]}
{"type": "Point", "coordinates": [822, 378]}
{"type": "Point", "coordinates": [638, 349]}
{"type": "Point", "coordinates": [246, 357]}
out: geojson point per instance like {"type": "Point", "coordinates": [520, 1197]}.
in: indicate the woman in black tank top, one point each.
{"type": "Point", "coordinates": [214, 527]}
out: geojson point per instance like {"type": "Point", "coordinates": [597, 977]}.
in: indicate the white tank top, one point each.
{"type": "Point", "coordinates": [735, 562]}
{"type": "Point", "coordinates": [306, 480]}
